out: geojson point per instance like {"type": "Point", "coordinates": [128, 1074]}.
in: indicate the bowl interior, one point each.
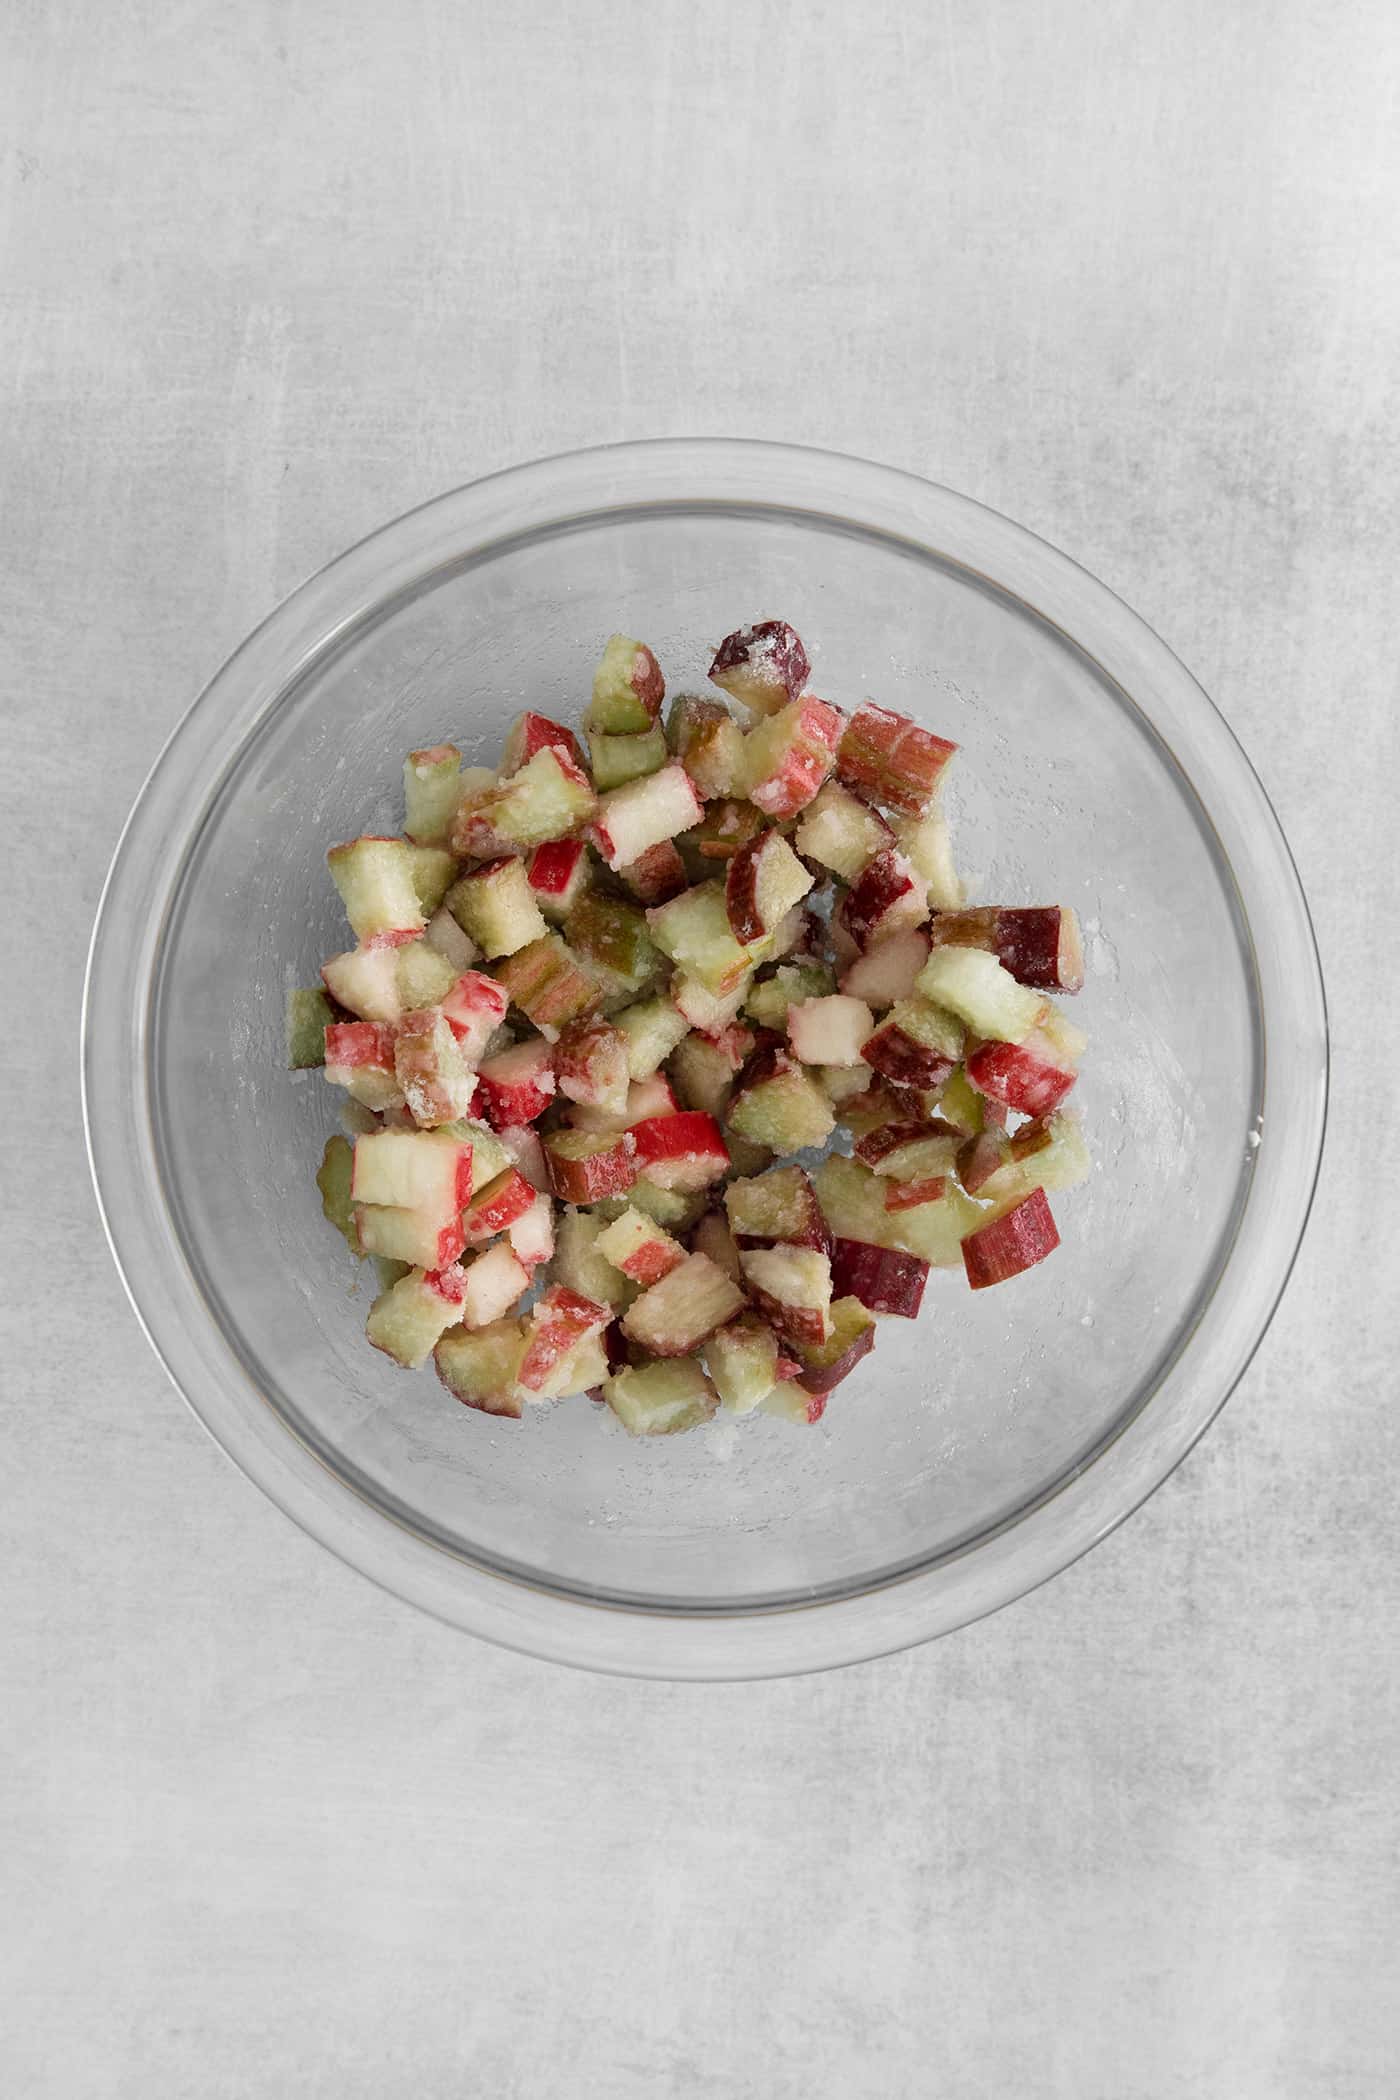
{"type": "Point", "coordinates": [961, 1421]}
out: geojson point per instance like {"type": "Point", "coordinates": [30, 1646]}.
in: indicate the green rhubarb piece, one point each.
{"type": "Point", "coordinates": [333, 1180]}
{"type": "Point", "coordinates": [661, 1399]}
{"type": "Point", "coordinates": [614, 760]}
{"type": "Point", "coordinates": [309, 1014]}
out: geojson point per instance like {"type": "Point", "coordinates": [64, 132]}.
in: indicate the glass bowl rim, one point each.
{"type": "Point", "coordinates": [144, 878]}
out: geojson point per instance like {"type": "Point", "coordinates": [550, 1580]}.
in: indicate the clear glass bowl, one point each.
{"type": "Point", "coordinates": [983, 1447]}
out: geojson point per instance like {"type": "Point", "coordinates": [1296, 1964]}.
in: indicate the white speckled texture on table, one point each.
{"type": "Point", "coordinates": [271, 274]}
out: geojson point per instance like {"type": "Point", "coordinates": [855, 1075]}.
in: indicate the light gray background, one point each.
{"type": "Point", "coordinates": [272, 273]}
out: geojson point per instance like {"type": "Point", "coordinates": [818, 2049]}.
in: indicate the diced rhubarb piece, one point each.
{"type": "Point", "coordinates": [841, 832]}
{"type": "Point", "coordinates": [517, 1085]}
{"type": "Point", "coordinates": [703, 1074]}
{"type": "Point", "coordinates": [1015, 1241]}
{"type": "Point", "coordinates": [653, 1027]}
{"type": "Point", "coordinates": [424, 976]}
{"type": "Point", "coordinates": [375, 880]}
{"type": "Point", "coordinates": [432, 782]}
{"type": "Point", "coordinates": [495, 906]}
{"type": "Point", "coordinates": [489, 1156]}
{"type": "Point", "coordinates": [436, 1082]}
{"type": "Point", "coordinates": [495, 1281]}
{"type": "Point", "coordinates": [653, 1096]}
{"type": "Point", "coordinates": [584, 1370]}
{"type": "Point", "coordinates": [709, 743]}
{"type": "Point", "coordinates": [791, 1402]}
{"type": "Point", "coordinates": [852, 1200]}
{"type": "Point", "coordinates": [913, 1195]}
{"type": "Point", "coordinates": [742, 1359]}
{"type": "Point", "coordinates": [764, 881]}
{"type": "Point", "coordinates": [789, 755]}
{"type": "Point", "coordinates": [886, 898]}
{"type": "Point", "coordinates": [680, 1151]}
{"type": "Point", "coordinates": [763, 666]}
{"type": "Point", "coordinates": [982, 1156]}
{"type": "Point", "coordinates": [829, 1031]}
{"type": "Point", "coordinates": [584, 1165]}
{"type": "Point", "coordinates": [433, 870]}
{"type": "Point", "coordinates": [973, 985]}
{"type": "Point", "coordinates": [1066, 1042]}
{"type": "Point", "coordinates": [960, 1104]}
{"type": "Point", "coordinates": [724, 830]}
{"type": "Point", "coordinates": [614, 760]}
{"type": "Point", "coordinates": [414, 1169]}
{"type": "Point", "coordinates": [888, 972]}
{"type": "Point", "coordinates": [640, 1248]}
{"type": "Point", "coordinates": [928, 845]}
{"type": "Point", "coordinates": [365, 981]}
{"type": "Point", "coordinates": [418, 1236]}
{"type": "Point", "coordinates": [360, 1057]}
{"type": "Point", "coordinates": [674, 1317]}
{"type": "Point", "coordinates": [407, 1321]}
{"type": "Point", "coordinates": [917, 1044]}
{"type": "Point", "coordinates": [777, 1209]}
{"type": "Point", "coordinates": [447, 938]}
{"type": "Point", "coordinates": [710, 1012]}
{"type": "Point", "coordinates": [1027, 1077]}
{"type": "Point", "coordinates": [792, 1285]}
{"type": "Point", "coordinates": [661, 1399]}
{"type": "Point", "coordinates": [610, 934]}
{"type": "Point", "coordinates": [530, 733]}
{"type": "Point", "coordinates": [558, 874]}
{"type": "Point", "coordinates": [676, 1209]}
{"type": "Point", "coordinates": [498, 1205]}
{"type": "Point", "coordinates": [590, 1064]}
{"type": "Point", "coordinates": [1040, 945]}
{"type": "Point", "coordinates": [882, 1278]}
{"type": "Point", "coordinates": [745, 1156]}
{"type": "Point", "coordinates": [656, 875]}
{"type": "Point", "coordinates": [777, 1104]}
{"type": "Point", "coordinates": [735, 1044]}
{"type": "Point", "coordinates": [713, 1237]}
{"type": "Point", "coordinates": [579, 1264]}
{"type": "Point", "coordinates": [561, 1319]}
{"type": "Point", "coordinates": [480, 1369]}
{"type": "Point", "coordinates": [521, 1146]}
{"type": "Point", "coordinates": [473, 1009]}
{"type": "Point", "coordinates": [1048, 1154]}
{"type": "Point", "coordinates": [852, 1336]}
{"type": "Point", "coordinates": [888, 757]}
{"type": "Point", "coordinates": [842, 1083]}
{"type": "Point", "coordinates": [309, 1012]}
{"type": "Point", "coordinates": [634, 818]}
{"type": "Point", "coordinates": [768, 1001]}
{"type": "Point", "coordinates": [549, 984]}
{"type": "Point", "coordinates": [694, 931]}
{"type": "Point", "coordinates": [548, 798]}
{"type": "Point", "coordinates": [531, 1235]}
{"type": "Point", "coordinates": [334, 1177]}
{"type": "Point", "coordinates": [628, 689]}
{"type": "Point", "coordinates": [645, 1097]}
{"type": "Point", "coordinates": [883, 1103]}
{"type": "Point", "coordinates": [909, 1150]}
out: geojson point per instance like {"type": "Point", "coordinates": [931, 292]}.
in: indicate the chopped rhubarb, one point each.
{"type": "Point", "coordinates": [890, 758]}
{"type": "Point", "coordinates": [530, 733]}
{"type": "Point", "coordinates": [583, 1166]}
{"type": "Point", "coordinates": [685, 1151]}
{"type": "Point", "coordinates": [763, 666]}
{"type": "Point", "coordinates": [1011, 1243]}
{"type": "Point", "coordinates": [884, 1280]}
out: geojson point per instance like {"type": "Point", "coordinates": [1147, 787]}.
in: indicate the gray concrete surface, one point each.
{"type": "Point", "coordinates": [268, 275]}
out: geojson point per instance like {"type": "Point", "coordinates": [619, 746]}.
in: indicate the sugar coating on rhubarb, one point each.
{"type": "Point", "coordinates": [674, 1057]}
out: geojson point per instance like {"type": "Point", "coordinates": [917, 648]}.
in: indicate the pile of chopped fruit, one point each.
{"type": "Point", "coordinates": [595, 1004]}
